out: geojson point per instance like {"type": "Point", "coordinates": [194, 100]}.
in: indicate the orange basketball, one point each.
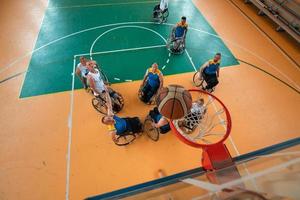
{"type": "Point", "coordinates": [174, 102]}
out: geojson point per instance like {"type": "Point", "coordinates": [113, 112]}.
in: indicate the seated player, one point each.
{"type": "Point", "coordinates": [193, 119]}
{"type": "Point", "coordinates": [153, 82]}
{"type": "Point", "coordinates": [119, 126]}
{"type": "Point", "coordinates": [179, 34]}
{"type": "Point", "coordinates": [160, 8]}
{"type": "Point", "coordinates": [159, 121]}
{"type": "Point", "coordinates": [96, 83]}
{"type": "Point", "coordinates": [82, 71]}
{"type": "Point", "coordinates": [210, 71]}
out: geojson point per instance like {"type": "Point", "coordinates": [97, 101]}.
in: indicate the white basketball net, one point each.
{"type": "Point", "coordinates": [205, 123]}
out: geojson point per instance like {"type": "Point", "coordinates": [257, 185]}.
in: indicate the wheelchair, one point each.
{"type": "Point", "coordinates": [176, 45]}
{"type": "Point", "coordinates": [130, 136]}
{"type": "Point", "coordinates": [141, 95]}
{"type": "Point", "coordinates": [160, 16]}
{"type": "Point", "coordinates": [117, 100]}
{"type": "Point", "coordinates": [153, 132]}
{"type": "Point", "coordinates": [200, 80]}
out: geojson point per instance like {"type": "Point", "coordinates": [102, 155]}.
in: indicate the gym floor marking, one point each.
{"type": "Point", "coordinates": [55, 61]}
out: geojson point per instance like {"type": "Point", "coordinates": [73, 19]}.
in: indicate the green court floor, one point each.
{"type": "Point", "coordinates": [121, 37]}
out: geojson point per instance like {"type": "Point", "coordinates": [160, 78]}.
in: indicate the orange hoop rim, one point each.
{"type": "Point", "coordinates": [197, 145]}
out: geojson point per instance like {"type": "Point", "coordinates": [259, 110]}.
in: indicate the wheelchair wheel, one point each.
{"type": "Point", "coordinates": [119, 101]}
{"type": "Point", "coordinates": [140, 93]}
{"type": "Point", "coordinates": [198, 79]}
{"type": "Point", "coordinates": [152, 132]}
{"type": "Point", "coordinates": [125, 139]}
{"type": "Point", "coordinates": [99, 105]}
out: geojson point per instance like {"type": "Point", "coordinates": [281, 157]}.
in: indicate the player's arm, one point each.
{"type": "Point", "coordinates": [201, 68]}
{"type": "Point", "coordinates": [218, 72]}
{"type": "Point", "coordinates": [163, 121]}
{"type": "Point", "coordinates": [108, 101]}
{"type": "Point", "coordinates": [161, 81]}
{"type": "Point", "coordinates": [78, 73]}
{"type": "Point", "coordinates": [145, 78]}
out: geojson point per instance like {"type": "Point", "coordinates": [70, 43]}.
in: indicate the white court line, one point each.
{"type": "Point", "coordinates": [2, 69]}
{"type": "Point", "coordinates": [101, 4]}
{"type": "Point", "coordinates": [122, 27]}
{"type": "Point", "coordinates": [70, 120]}
{"type": "Point", "coordinates": [215, 188]}
{"type": "Point", "coordinates": [121, 50]}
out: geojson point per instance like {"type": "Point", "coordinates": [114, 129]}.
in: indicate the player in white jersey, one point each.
{"type": "Point", "coordinates": [82, 71]}
{"type": "Point", "coordinates": [96, 82]}
{"type": "Point", "coordinates": [161, 7]}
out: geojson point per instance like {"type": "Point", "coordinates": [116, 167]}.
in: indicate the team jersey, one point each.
{"type": "Point", "coordinates": [180, 29]}
{"type": "Point", "coordinates": [120, 125]}
{"type": "Point", "coordinates": [99, 84]}
{"type": "Point", "coordinates": [163, 4]}
{"type": "Point", "coordinates": [212, 67]}
{"type": "Point", "coordinates": [153, 77]}
{"type": "Point", "coordinates": [83, 70]}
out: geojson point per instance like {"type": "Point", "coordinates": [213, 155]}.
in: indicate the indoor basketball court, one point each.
{"type": "Point", "coordinates": [54, 145]}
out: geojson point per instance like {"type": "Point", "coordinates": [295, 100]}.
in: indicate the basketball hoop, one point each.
{"type": "Point", "coordinates": [206, 126]}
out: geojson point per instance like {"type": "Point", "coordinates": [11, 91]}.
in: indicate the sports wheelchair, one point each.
{"type": "Point", "coordinates": [117, 100]}
{"type": "Point", "coordinates": [128, 137]}
{"type": "Point", "coordinates": [153, 132]}
{"type": "Point", "coordinates": [159, 15]}
{"type": "Point", "coordinates": [200, 80]}
{"type": "Point", "coordinates": [176, 45]}
{"type": "Point", "coordinates": [141, 96]}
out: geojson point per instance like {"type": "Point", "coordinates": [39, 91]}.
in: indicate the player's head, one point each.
{"type": "Point", "coordinates": [108, 120]}
{"type": "Point", "coordinates": [83, 60]}
{"type": "Point", "coordinates": [154, 66]}
{"type": "Point", "coordinates": [90, 65]}
{"type": "Point", "coordinates": [200, 101]}
{"type": "Point", "coordinates": [217, 57]}
{"type": "Point", "coordinates": [183, 19]}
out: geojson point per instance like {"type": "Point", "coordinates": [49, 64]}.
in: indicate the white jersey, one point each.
{"type": "Point", "coordinates": [99, 84]}
{"type": "Point", "coordinates": [196, 108]}
{"type": "Point", "coordinates": [83, 70]}
{"type": "Point", "coordinates": [163, 4]}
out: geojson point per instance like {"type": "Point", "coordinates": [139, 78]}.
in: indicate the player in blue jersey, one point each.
{"type": "Point", "coordinates": [211, 71]}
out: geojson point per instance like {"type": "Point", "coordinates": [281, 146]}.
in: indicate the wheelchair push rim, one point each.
{"type": "Point", "coordinates": [152, 132]}
{"type": "Point", "coordinates": [124, 140]}
{"type": "Point", "coordinates": [198, 79]}
{"type": "Point", "coordinates": [99, 105]}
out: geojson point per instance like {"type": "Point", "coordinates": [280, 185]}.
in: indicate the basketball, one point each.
{"type": "Point", "coordinates": [174, 102]}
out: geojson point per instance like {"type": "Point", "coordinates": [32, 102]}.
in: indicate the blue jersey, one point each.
{"type": "Point", "coordinates": [180, 29]}
{"type": "Point", "coordinates": [212, 67]}
{"type": "Point", "coordinates": [153, 78]}
{"type": "Point", "coordinates": [120, 125]}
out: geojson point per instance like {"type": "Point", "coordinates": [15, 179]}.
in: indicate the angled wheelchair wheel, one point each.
{"type": "Point", "coordinates": [99, 105]}
{"type": "Point", "coordinates": [198, 79]}
{"type": "Point", "coordinates": [152, 132]}
{"type": "Point", "coordinates": [123, 140]}
{"type": "Point", "coordinates": [118, 103]}
{"type": "Point", "coordinates": [140, 93]}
